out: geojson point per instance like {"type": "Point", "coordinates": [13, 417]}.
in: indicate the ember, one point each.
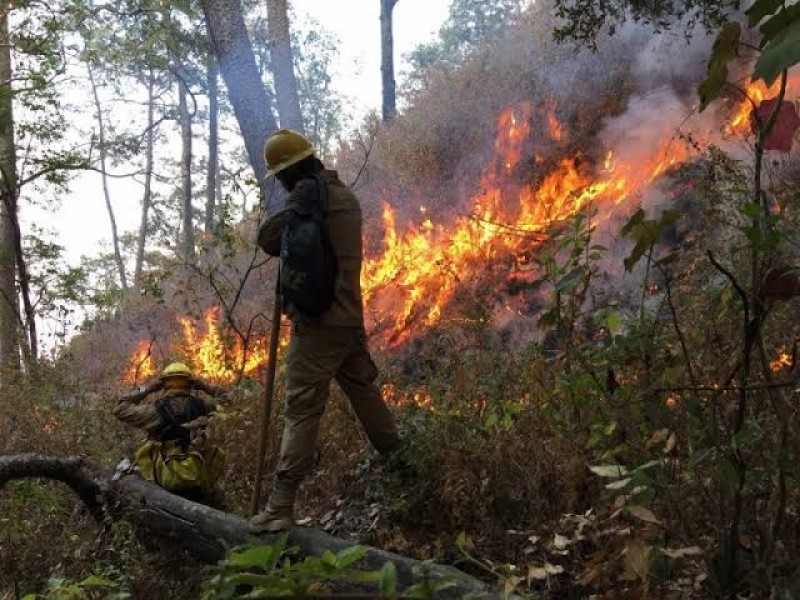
{"type": "Point", "coordinates": [782, 362]}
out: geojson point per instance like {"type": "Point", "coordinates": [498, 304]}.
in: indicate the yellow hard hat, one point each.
{"type": "Point", "coordinates": [176, 369]}
{"type": "Point", "coordinates": [285, 148]}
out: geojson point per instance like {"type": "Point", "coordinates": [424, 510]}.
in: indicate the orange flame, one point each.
{"type": "Point", "coordinates": [783, 361]}
{"type": "Point", "coordinates": [211, 354]}
{"type": "Point", "coordinates": [140, 365]}
{"type": "Point", "coordinates": [418, 270]}
{"type": "Point", "coordinates": [740, 124]}
{"type": "Point", "coordinates": [409, 283]}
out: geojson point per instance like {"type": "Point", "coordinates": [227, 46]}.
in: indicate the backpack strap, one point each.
{"type": "Point", "coordinates": [322, 194]}
{"type": "Point", "coordinates": [171, 429]}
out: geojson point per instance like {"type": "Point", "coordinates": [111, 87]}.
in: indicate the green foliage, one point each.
{"type": "Point", "coordinates": [267, 571]}
{"type": "Point", "coordinates": [93, 587]}
{"type": "Point", "coordinates": [324, 116]}
{"type": "Point", "coordinates": [781, 52]}
{"type": "Point", "coordinates": [646, 233]}
{"type": "Point", "coordinates": [780, 46]}
{"type": "Point", "coordinates": [723, 51]}
{"type": "Point", "coordinates": [583, 20]}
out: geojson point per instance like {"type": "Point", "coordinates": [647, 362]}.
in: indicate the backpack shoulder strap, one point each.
{"type": "Point", "coordinates": [322, 192]}
{"type": "Point", "coordinates": [171, 428]}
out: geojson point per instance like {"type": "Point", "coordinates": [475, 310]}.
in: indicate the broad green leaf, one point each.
{"type": "Point", "coordinates": [328, 558]}
{"type": "Point", "coordinates": [366, 576]}
{"type": "Point", "coordinates": [609, 470]}
{"type": "Point", "coordinates": [95, 581]}
{"type": "Point", "coordinates": [350, 556]}
{"type": "Point", "coordinates": [635, 220]}
{"type": "Point", "coordinates": [723, 51]}
{"type": "Point", "coordinates": [388, 584]}
{"type": "Point", "coordinates": [780, 53]}
{"type": "Point", "coordinates": [761, 9]}
{"type": "Point", "coordinates": [257, 556]}
{"type": "Point", "coordinates": [252, 579]}
{"type": "Point", "coordinates": [771, 29]}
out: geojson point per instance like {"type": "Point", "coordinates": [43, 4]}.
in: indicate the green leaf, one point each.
{"type": "Point", "coordinates": [257, 556]}
{"type": "Point", "coordinates": [722, 53]}
{"type": "Point", "coordinates": [760, 9]}
{"type": "Point", "coordinates": [613, 322]}
{"type": "Point", "coordinates": [780, 53]}
{"type": "Point", "coordinates": [95, 581]}
{"type": "Point", "coordinates": [772, 28]}
{"type": "Point", "coordinates": [615, 471]}
{"type": "Point", "coordinates": [752, 210]}
{"type": "Point", "coordinates": [463, 541]}
{"type": "Point", "coordinates": [635, 220]}
{"type": "Point", "coordinates": [571, 280]}
{"type": "Point", "coordinates": [350, 556]}
{"type": "Point", "coordinates": [328, 558]}
{"type": "Point", "coordinates": [669, 259]}
{"type": "Point", "coordinates": [388, 584]}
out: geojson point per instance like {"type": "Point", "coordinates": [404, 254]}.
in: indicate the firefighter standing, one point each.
{"type": "Point", "coordinates": [332, 346]}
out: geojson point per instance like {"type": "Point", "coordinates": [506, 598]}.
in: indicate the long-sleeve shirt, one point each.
{"type": "Point", "coordinates": [145, 416]}
{"type": "Point", "coordinates": [344, 228]}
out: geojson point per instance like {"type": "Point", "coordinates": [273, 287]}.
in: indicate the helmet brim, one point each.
{"type": "Point", "coordinates": [288, 163]}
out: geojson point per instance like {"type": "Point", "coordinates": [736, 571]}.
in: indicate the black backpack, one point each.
{"type": "Point", "coordinates": [173, 424]}
{"type": "Point", "coordinates": [308, 263]}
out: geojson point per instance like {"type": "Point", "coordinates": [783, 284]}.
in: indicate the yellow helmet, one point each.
{"type": "Point", "coordinates": [285, 148]}
{"type": "Point", "coordinates": [176, 369]}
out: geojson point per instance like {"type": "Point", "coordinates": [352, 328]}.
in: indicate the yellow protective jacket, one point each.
{"type": "Point", "coordinates": [344, 229]}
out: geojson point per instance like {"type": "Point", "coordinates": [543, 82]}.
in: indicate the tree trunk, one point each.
{"type": "Point", "coordinates": [283, 65]}
{"type": "Point", "coordinates": [186, 174]}
{"type": "Point", "coordinates": [251, 103]}
{"type": "Point", "coordinates": [148, 177]}
{"type": "Point", "coordinates": [9, 311]}
{"type": "Point", "coordinates": [180, 525]}
{"type": "Point", "coordinates": [101, 146]}
{"type": "Point", "coordinates": [212, 173]}
{"type": "Point", "coordinates": [387, 61]}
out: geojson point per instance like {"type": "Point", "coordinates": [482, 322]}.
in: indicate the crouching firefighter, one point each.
{"type": "Point", "coordinates": [177, 455]}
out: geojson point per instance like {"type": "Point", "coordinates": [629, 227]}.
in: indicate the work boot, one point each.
{"type": "Point", "coordinates": [279, 513]}
{"type": "Point", "coordinates": [272, 520]}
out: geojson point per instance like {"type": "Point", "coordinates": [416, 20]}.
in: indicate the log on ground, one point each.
{"type": "Point", "coordinates": [203, 532]}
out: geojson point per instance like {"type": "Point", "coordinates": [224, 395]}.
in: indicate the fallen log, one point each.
{"type": "Point", "coordinates": [203, 532]}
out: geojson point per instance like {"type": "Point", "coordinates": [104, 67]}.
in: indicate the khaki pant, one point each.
{"type": "Point", "coordinates": [316, 356]}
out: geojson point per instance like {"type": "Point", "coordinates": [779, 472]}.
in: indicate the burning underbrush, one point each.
{"type": "Point", "coordinates": [565, 367]}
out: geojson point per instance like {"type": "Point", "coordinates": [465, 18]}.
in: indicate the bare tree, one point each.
{"type": "Point", "coordinates": [212, 170]}
{"type": "Point", "coordinates": [101, 146]}
{"type": "Point", "coordinates": [9, 312]}
{"type": "Point", "coordinates": [252, 105]}
{"type": "Point", "coordinates": [147, 196]}
{"type": "Point", "coordinates": [387, 60]}
{"type": "Point", "coordinates": [283, 65]}
{"type": "Point", "coordinates": [186, 172]}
